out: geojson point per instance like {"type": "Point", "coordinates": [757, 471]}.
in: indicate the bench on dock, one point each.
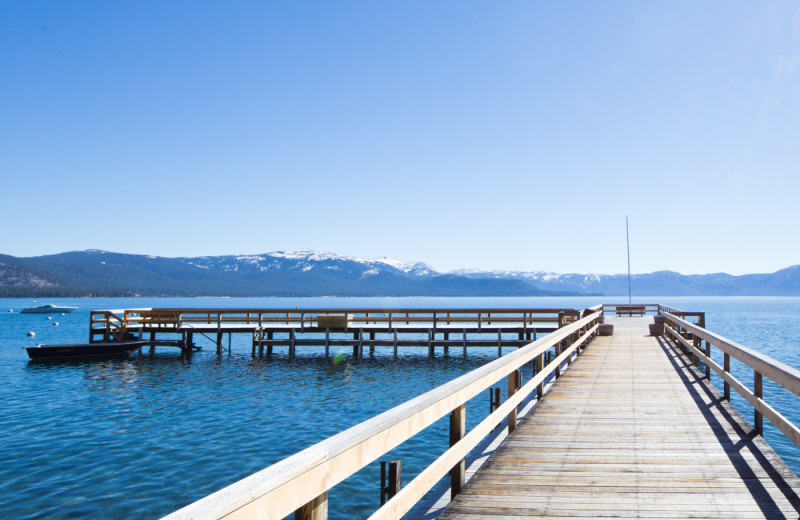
{"type": "Point", "coordinates": [630, 310]}
{"type": "Point", "coordinates": [159, 317]}
{"type": "Point", "coordinates": [334, 321]}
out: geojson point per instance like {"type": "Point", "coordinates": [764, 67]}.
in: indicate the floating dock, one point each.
{"type": "Point", "coordinates": [356, 328]}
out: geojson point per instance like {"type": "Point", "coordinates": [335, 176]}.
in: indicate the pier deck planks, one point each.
{"type": "Point", "coordinates": [631, 431]}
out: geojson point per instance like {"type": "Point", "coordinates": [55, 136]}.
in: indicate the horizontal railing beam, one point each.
{"type": "Point", "coordinates": [791, 431]}
{"type": "Point", "coordinates": [782, 374]}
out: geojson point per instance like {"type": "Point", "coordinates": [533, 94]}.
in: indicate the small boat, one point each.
{"type": "Point", "coordinates": [84, 350]}
{"type": "Point", "coordinates": [48, 309]}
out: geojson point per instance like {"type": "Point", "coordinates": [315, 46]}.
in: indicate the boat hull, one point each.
{"type": "Point", "coordinates": [48, 310]}
{"type": "Point", "coordinates": [83, 351]}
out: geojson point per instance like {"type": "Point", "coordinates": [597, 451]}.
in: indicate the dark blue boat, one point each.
{"type": "Point", "coordinates": [83, 350]}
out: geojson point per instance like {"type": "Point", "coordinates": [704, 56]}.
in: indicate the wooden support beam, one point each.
{"type": "Point", "coordinates": [458, 427]}
{"type": "Point", "coordinates": [758, 391]}
{"type": "Point", "coordinates": [395, 479]}
{"type": "Point", "coordinates": [513, 384]}
{"type": "Point", "coordinates": [317, 509]}
{"type": "Point", "coordinates": [540, 366]}
{"type": "Point", "coordinates": [727, 385]}
{"type": "Point", "coordinates": [558, 353]}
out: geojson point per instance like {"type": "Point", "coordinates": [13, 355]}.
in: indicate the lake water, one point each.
{"type": "Point", "coordinates": [141, 437]}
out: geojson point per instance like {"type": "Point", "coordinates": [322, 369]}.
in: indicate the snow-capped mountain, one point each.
{"type": "Point", "coordinates": [280, 273]}
{"type": "Point", "coordinates": [317, 273]}
{"type": "Point", "coordinates": [308, 260]}
{"type": "Point", "coordinates": [785, 282]}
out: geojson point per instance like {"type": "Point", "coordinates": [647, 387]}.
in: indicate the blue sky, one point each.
{"type": "Point", "coordinates": [494, 135]}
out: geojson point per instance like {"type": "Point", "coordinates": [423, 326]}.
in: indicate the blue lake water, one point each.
{"type": "Point", "coordinates": [141, 437]}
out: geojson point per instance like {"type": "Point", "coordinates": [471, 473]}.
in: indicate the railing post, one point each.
{"type": "Point", "coordinates": [708, 355]}
{"type": "Point", "coordinates": [317, 509]}
{"type": "Point", "coordinates": [107, 330]}
{"type": "Point", "coordinates": [727, 386]}
{"type": "Point", "coordinates": [758, 390]}
{"type": "Point", "coordinates": [540, 366]}
{"type": "Point", "coordinates": [557, 352]}
{"type": "Point", "coordinates": [458, 427]}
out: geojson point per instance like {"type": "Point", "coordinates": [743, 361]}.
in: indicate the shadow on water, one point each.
{"type": "Point", "coordinates": [720, 417]}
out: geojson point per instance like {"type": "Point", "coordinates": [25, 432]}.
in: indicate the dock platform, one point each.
{"type": "Point", "coordinates": [330, 328]}
{"type": "Point", "coordinates": [621, 421]}
{"type": "Point", "coordinates": [631, 430]}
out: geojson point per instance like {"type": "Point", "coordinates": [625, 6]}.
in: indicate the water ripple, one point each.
{"type": "Point", "coordinates": [139, 438]}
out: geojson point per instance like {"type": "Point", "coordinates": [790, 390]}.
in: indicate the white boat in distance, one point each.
{"type": "Point", "coordinates": [48, 309]}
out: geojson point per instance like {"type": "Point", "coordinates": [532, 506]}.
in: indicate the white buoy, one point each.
{"type": "Point", "coordinates": [55, 324]}
{"type": "Point", "coordinates": [10, 310]}
{"type": "Point", "coordinates": [31, 334]}
{"type": "Point", "coordinates": [49, 318]}
{"type": "Point", "coordinates": [63, 314]}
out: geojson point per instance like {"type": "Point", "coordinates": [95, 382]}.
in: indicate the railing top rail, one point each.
{"type": "Point", "coordinates": [782, 374]}
{"type": "Point", "coordinates": [404, 421]}
{"type": "Point", "coordinates": [354, 310]}
{"type": "Point", "coordinates": [613, 305]}
{"type": "Point", "coordinates": [109, 311]}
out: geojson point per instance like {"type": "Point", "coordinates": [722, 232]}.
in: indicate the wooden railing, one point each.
{"type": "Point", "coordinates": [698, 318]}
{"type": "Point", "coordinates": [300, 483]}
{"type": "Point", "coordinates": [691, 337]}
{"type": "Point", "coordinates": [104, 322]}
{"type": "Point", "coordinates": [110, 324]}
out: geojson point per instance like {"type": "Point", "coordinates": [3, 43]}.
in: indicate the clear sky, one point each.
{"type": "Point", "coordinates": [466, 134]}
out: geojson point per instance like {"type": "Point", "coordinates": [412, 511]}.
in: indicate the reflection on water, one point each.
{"type": "Point", "coordinates": [138, 438]}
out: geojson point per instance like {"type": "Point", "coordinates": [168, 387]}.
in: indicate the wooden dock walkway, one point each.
{"type": "Point", "coordinates": [608, 426]}
{"type": "Point", "coordinates": [631, 430]}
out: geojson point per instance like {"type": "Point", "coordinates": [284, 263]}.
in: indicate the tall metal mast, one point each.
{"type": "Point", "coordinates": [628, 240]}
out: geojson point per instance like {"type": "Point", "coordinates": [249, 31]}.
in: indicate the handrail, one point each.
{"type": "Point", "coordinates": [700, 316]}
{"type": "Point", "coordinates": [306, 477]}
{"type": "Point", "coordinates": [761, 364]}
{"type": "Point", "coordinates": [355, 316]}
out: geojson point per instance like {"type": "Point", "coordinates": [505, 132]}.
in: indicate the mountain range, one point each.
{"type": "Point", "coordinates": [314, 273]}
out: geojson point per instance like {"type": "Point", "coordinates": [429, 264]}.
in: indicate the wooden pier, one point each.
{"type": "Point", "coordinates": [630, 428]}
{"type": "Point", "coordinates": [324, 329]}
